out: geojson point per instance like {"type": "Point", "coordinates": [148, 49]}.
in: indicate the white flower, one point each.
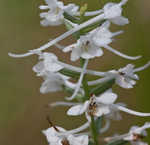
{"type": "Point", "coordinates": [124, 77]}
{"type": "Point", "coordinates": [100, 17]}
{"type": "Point", "coordinates": [55, 15]}
{"type": "Point", "coordinates": [102, 35]}
{"type": "Point", "coordinates": [135, 135]}
{"type": "Point", "coordinates": [102, 105]}
{"type": "Point", "coordinates": [84, 48]}
{"type": "Point", "coordinates": [54, 138]}
{"type": "Point", "coordinates": [96, 106]}
{"type": "Point", "coordinates": [89, 46]}
{"type": "Point", "coordinates": [54, 82]}
{"type": "Point", "coordinates": [48, 64]}
{"type": "Point", "coordinates": [113, 11]}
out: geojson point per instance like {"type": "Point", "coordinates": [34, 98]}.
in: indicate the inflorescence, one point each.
{"type": "Point", "coordinates": [94, 98]}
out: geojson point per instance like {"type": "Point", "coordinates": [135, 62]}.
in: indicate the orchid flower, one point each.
{"type": "Point", "coordinates": [89, 46]}
{"type": "Point", "coordinates": [84, 48]}
{"type": "Point", "coordinates": [54, 138]}
{"type": "Point", "coordinates": [96, 106]}
{"type": "Point", "coordinates": [48, 64]}
{"type": "Point", "coordinates": [101, 105]}
{"type": "Point", "coordinates": [55, 16]}
{"type": "Point", "coordinates": [54, 82]}
{"type": "Point", "coordinates": [113, 11]}
{"type": "Point", "coordinates": [124, 77]}
{"type": "Point", "coordinates": [78, 27]}
{"type": "Point", "coordinates": [135, 135]}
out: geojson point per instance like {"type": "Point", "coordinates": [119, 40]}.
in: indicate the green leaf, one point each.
{"type": "Point", "coordinates": [118, 142]}
{"type": "Point", "coordinates": [91, 27]}
{"type": "Point", "coordinates": [101, 88]}
{"type": "Point", "coordinates": [70, 73]}
{"type": "Point", "coordinates": [71, 18]}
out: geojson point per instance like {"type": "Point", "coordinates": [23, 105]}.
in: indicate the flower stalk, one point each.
{"type": "Point", "coordinates": [95, 98]}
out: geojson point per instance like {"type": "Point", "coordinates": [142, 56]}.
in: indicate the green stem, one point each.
{"type": "Point", "coordinates": [86, 97]}
{"type": "Point", "coordinates": [94, 131]}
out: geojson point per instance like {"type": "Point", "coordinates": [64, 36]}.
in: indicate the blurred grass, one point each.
{"type": "Point", "coordinates": [22, 107]}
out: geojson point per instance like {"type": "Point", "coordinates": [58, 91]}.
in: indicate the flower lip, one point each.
{"type": "Point", "coordinates": [65, 142]}
{"type": "Point", "coordinates": [92, 108]}
{"type": "Point", "coordinates": [137, 137]}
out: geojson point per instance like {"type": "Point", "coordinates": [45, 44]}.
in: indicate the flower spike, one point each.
{"type": "Point", "coordinates": [66, 34]}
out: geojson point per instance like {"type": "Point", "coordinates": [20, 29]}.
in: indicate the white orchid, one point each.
{"type": "Point", "coordinates": [102, 35]}
{"type": "Point", "coordinates": [113, 13]}
{"type": "Point", "coordinates": [55, 16]}
{"type": "Point", "coordinates": [135, 135]}
{"type": "Point", "coordinates": [90, 45]}
{"type": "Point", "coordinates": [57, 136]}
{"type": "Point", "coordinates": [47, 64]}
{"type": "Point", "coordinates": [84, 48]}
{"type": "Point", "coordinates": [96, 106]}
{"type": "Point", "coordinates": [54, 82]}
{"type": "Point", "coordinates": [125, 77]}
{"type": "Point", "coordinates": [102, 105]}
{"type": "Point", "coordinates": [107, 13]}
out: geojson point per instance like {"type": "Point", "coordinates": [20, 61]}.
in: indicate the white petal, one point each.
{"type": "Point", "coordinates": [102, 111]}
{"type": "Point", "coordinates": [107, 98]}
{"type": "Point", "coordinates": [112, 10]}
{"type": "Point", "coordinates": [91, 53]}
{"type": "Point", "coordinates": [78, 109]}
{"type": "Point", "coordinates": [75, 54]}
{"type": "Point", "coordinates": [120, 21]}
{"type": "Point", "coordinates": [120, 80]}
{"type": "Point", "coordinates": [52, 135]}
{"type": "Point", "coordinates": [80, 140]}
{"type": "Point", "coordinates": [50, 86]}
{"type": "Point", "coordinates": [38, 68]}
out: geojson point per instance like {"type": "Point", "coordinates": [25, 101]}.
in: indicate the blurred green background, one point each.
{"type": "Point", "coordinates": [23, 109]}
